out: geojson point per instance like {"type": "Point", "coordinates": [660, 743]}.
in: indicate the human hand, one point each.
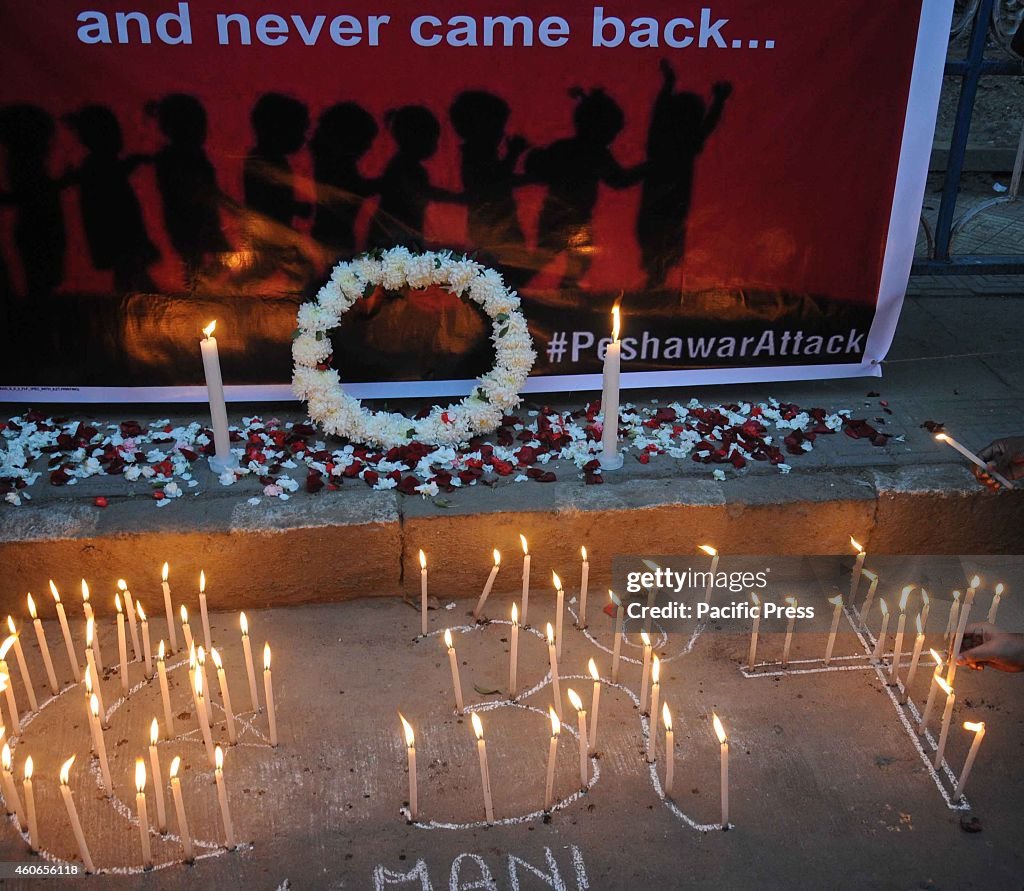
{"type": "Point", "coordinates": [722, 90]}
{"type": "Point", "coordinates": [1006, 456]}
{"type": "Point", "coordinates": [987, 646]}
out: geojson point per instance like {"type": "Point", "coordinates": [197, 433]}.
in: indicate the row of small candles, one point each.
{"type": "Point", "coordinates": [131, 619]}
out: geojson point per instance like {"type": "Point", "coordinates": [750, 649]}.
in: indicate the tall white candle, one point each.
{"type": "Point", "coordinates": [44, 649]}
{"type": "Point", "coordinates": [723, 742]}
{"type": "Point", "coordinates": [133, 626]}
{"type": "Point", "coordinates": [19, 654]}
{"type": "Point", "coordinates": [250, 669]}
{"type": "Point", "coordinates": [485, 774]}
{"type": "Point", "coordinates": [610, 458]}
{"type": "Point", "coordinates": [914, 659]}
{"type": "Point", "coordinates": [978, 729]}
{"type": "Point", "coordinates": [268, 693]}
{"type": "Point", "coordinates": [553, 662]}
{"type": "Point", "coordinates": [792, 601]}
{"type": "Point", "coordinates": [202, 717]}
{"type": "Point", "coordinates": [901, 625]}
{"type": "Point", "coordinates": [559, 610]}
{"type": "Point", "coordinates": [62, 617]}
{"type": "Point", "coordinates": [204, 611]}
{"type": "Point", "coordinates": [670, 750]}
{"type": "Point", "coordinates": [954, 613]}
{"type": "Point", "coordinates": [974, 459]}
{"type": "Point", "coordinates": [526, 579]}
{"type": "Point", "coordinates": [865, 610]}
{"type": "Point", "coordinates": [410, 743]}
{"type": "Point", "coordinates": [479, 609]}
{"type": "Point", "coordinates": [549, 784]}
{"type": "Point", "coordinates": [837, 612]}
{"type": "Point", "coordinates": [30, 806]}
{"type": "Point", "coordinates": [992, 610]}
{"type": "Point", "coordinates": [207, 689]}
{"type": "Point", "coordinates": [652, 736]}
{"type": "Point", "coordinates": [879, 651]}
{"type": "Point", "coordinates": [122, 644]}
{"type": "Point", "coordinates": [713, 554]}
{"type": "Point", "coordinates": [179, 809]}
{"type": "Point", "coordinates": [932, 691]}
{"type": "Point", "coordinates": [947, 716]}
{"type": "Point", "coordinates": [165, 694]}
{"type": "Point", "coordinates": [423, 593]}
{"type": "Point", "coordinates": [222, 798]}
{"type": "Point", "coordinates": [225, 696]}
{"type": "Point", "coordinates": [7, 684]}
{"type": "Point", "coordinates": [147, 646]}
{"type": "Point", "coordinates": [645, 672]}
{"type": "Point", "coordinates": [11, 797]}
{"type": "Point", "coordinates": [453, 661]}
{"type": "Point", "coordinates": [584, 746]}
{"type": "Point", "coordinates": [90, 665]}
{"type": "Point", "coordinates": [186, 629]}
{"type": "Point", "coordinates": [925, 609]}
{"type": "Point", "coordinates": [617, 642]}
{"type": "Point", "coordinates": [158, 783]}
{"type": "Point", "coordinates": [76, 824]}
{"type": "Point", "coordinates": [595, 703]}
{"type": "Point", "coordinates": [87, 609]}
{"type": "Point", "coordinates": [584, 585]}
{"type": "Point", "coordinates": [169, 608]}
{"type": "Point", "coordinates": [756, 612]}
{"type": "Point", "coordinates": [858, 567]}
{"type": "Point", "coordinates": [513, 664]}
{"type": "Point", "coordinates": [965, 612]}
{"type": "Point", "coordinates": [223, 458]}
{"type": "Point", "coordinates": [100, 745]}
{"type": "Point", "coordinates": [140, 806]}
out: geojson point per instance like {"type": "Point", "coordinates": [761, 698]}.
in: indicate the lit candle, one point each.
{"type": "Point", "coordinates": [254, 699]}
{"type": "Point", "coordinates": [901, 625]}
{"type": "Point", "coordinates": [526, 578]}
{"type": "Point", "coordinates": [617, 642]}
{"type": "Point", "coordinates": [553, 661]}
{"type": "Point", "coordinates": [454, 662]}
{"type": "Point", "coordinates": [549, 785]}
{"type": "Point", "coordinates": [204, 720]}
{"type": "Point", "coordinates": [30, 806]}
{"type": "Point", "coordinates": [992, 610]}
{"type": "Point", "coordinates": [179, 808]}
{"type": "Point", "coordinates": [792, 601]}
{"type": "Point", "coordinates": [947, 716]}
{"type": "Point", "coordinates": [713, 554]}
{"type": "Point", "coordinates": [584, 584]}
{"type": "Point", "coordinates": [222, 459]}
{"type": "Point", "coordinates": [99, 744]}
{"type": "Point", "coordinates": [158, 783]}
{"type": "Point", "coordinates": [559, 609]}
{"type": "Point", "coordinates": [88, 701]}
{"type": "Point", "coordinates": [595, 702]}
{"type": "Point", "coordinates": [140, 806]}
{"type": "Point", "coordinates": [222, 681]}
{"type": "Point", "coordinates": [979, 734]}
{"type": "Point", "coordinates": [965, 612]}
{"type": "Point", "coordinates": [44, 649]}
{"type": "Point", "coordinates": [837, 612]}
{"type": "Point", "coordinates": [186, 629]}
{"type": "Point", "coordinates": [207, 690]}
{"type": "Point", "coordinates": [76, 825]}
{"type": "Point", "coordinates": [203, 611]}
{"type": "Point", "coordinates": [865, 610]}
{"type": "Point", "coordinates": [478, 610]}
{"type": "Point", "coordinates": [925, 609]}
{"type": "Point", "coordinates": [723, 742]}
{"type": "Point", "coordinates": [974, 459]}
{"type": "Point", "coordinates": [87, 608]}
{"type": "Point", "coordinates": [410, 742]}
{"type": "Point", "coordinates": [756, 612]}
{"type": "Point", "coordinates": [670, 750]}
{"type": "Point", "coordinates": [92, 674]}
{"type": "Point", "coordinates": [122, 645]}
{"type": "Point", "coordinates": [11, 797]}
{"type": "Point", "coordinates": [610, 457]}
{"type": "Point", "coordinates": [26, 678]}
{"type": "Point", "coordinates": [268, 692]}
{"type": "Point", "coordinates": [165, 695]}
{"type": "Point", "coordinates": [423, 593]}
{"type": "Point", "coordinates": [954, 612]}
{"type": "Point", "coordinates": [652, 736]}
{"type": "Point", "coordinates": [8, 686]}
{"type": "Point", "coordinates": [645, 673]}
{"type": "Point", "coordinates": [66, 631]}
{"type": "Point", "coordinates": [914, 659]}
{"type": "Point", "coordinates": [133, 625]}
{"type": "Point", "coordinates": [880, 643]}
{"type": "Point", "coordinates": [147, 649]}
{"type": "Point", "coordinates": [222, 798]}
{"type": "Point", "coordinates": [858, 567]}
{"type": "Point", "coordinates": [513, 681]}
{"type": "Point", "coordinates": [581, 717]}
{"type": "Point", "coordinates": [168, 606]}
{"type": "Point", "coordinates": [932, 691]}
{"type": "Point", "coordinates": [485, 775]}
{"type": "Point", "coordinates": [192, 675]}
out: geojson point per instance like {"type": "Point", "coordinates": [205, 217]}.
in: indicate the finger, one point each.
{"type": "Point", "coordinates": [991, 451]}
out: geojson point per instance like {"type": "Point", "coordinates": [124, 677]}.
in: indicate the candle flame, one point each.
{"type": "Point", "coordinates": [719, 729]}
{"type": "Point", "coordinates": [160, 651]}
{"type": "Point", "coordinates": [656, 670]}
{"type": "Point", "coordinates": [175, 764]}
{"type": "Point", "coordinates": [218, 757]}
{"type": "Point", "coordinates": [117, 602]}
{"type": "Point", "coordinates": [243, 623]}
{"type": "Point", "coordinates": [646, 638]}
{"type": "Point", "coordinates": [999, 589]}
{"type": "Point", "coordinates": [90, 632]}
{"type": "Point", "coordinates": [883, 606]}
{"type": "Point", "coordinates": [140, 775]}
{"type": "Point", "coordinates": [266, 657]}
{"type": "Point", "coordinates": [31, 606]}
{"type": "Point", "coordinates": [28, 768]}
{"type": "Point", "coordinates": [202, 582]}
{"type": "Point", "coordinates": [5, 757]}
{"type": "Point", "coordinates": [936, 658]}
{"type": "Point", "coordinates": [945, 687]}
{"type": "Point", "coordinates": [583, 552]}
{"type": "Point", "coordinates": [85, 591]}
{"type": "Point", "coordinates": [574, 698]}
{"type": "Point", "coordinates": [423, 559]}
{"type": "Point", "coordinates": [448, 639]}
{"type": "Point", "coordinates": [707, 549]}
{"type": "Point", "coordinates": [974, 726]}
{"type": "Point", "coordinates": [478, 728]}
{"type": "Point", "coordinates": [122, 584]}
{"type": "Point", "coordinates": [199, 684]}
{"type": "Point", "coordinates": [616, 322]}
{"type": "Point", "coordinates": [905, 596]}
{"type": "Point", "coordinates": [140, 611]}
{"type": "Point", "coordinates": [164, 572]}
{"type": "Point", "coordinates": [215, 656]}
{"type": "Point", "coordinates": [154, 732]}
{"type": "Point", "coordinates": [556, 580]}
{"type": "Point", "coordinates": [515, 614]}
{"type": "Point", "coordinates": [614, 599]}
{"type": "Point", "coordinates": [94, 705]}
{"type": "Point", "coordinates": [6, 646]}
{"type": "Point", "coordinates": [956, 595]}
{"type": "Point", "coordinates": [200, 655]}
{"type": "Point", "coordinates": [920, 628]}
{"type": "Point", "coordinates": [53, 591]}
{"type": "Point", "coordinates": [556, 725]}
{"type": "Point", "coordinates": [65, 770]}
{"type": "Point", "coordinates": [88, 684]}
{"type": "Point", "coordinates": [10, 625]}
{"type": "Point", "coordinates": [526, 547]}
{"type": "Point", "coordinates": [209, 329]}
{"type": "Point", "coordinates": [551, 634]}
{"type": "Point", "coordinates": [856, 545]}
{"type": "Point", "coordinates": [837, 600]}
{"type": "Point", "coordinates": [592, 668]}
{"type": "Point", "coordinates": [184, 615]}
{"type": "Point", "coordinates": [497, 557]}
{"type": "Point", "coordinates": [192, 657]}
{"type": "Point", "coordinates": [975, 582]}
{"type": "Point", "coordinates": [666, 716]}
{"type": "Point", "coordinates": [410, 737]}
{"type": "Point", "coordinates": [941, 437]}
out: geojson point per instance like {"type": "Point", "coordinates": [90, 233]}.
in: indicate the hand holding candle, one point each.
{"type": "Point", "coordinates": [974, 459]}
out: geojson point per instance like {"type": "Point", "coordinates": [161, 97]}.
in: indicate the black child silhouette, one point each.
{"type": "Point", "coordinates": [111, 215]}
{"type": "Point", "coordinates": [680, 125]}
{"type": "Point", "coordinates": [343, 135]}
{"type": "Point", "coordinates": [573, 169]}
{"type": "Point", "coordinates": [188, 182]}
{"type": "Point", "coordinates": [489, 177]}
{"type": "Point", "coordinates": [405, 188]}
{"type": "Point", "coordinates": [279, 124]}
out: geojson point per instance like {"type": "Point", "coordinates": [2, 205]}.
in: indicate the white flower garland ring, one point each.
{"type": "Point", "coordinates": [495, 393]}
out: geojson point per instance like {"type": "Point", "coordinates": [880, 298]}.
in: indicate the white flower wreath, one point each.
{"type": "Point", "coordinates": [495, 393]}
